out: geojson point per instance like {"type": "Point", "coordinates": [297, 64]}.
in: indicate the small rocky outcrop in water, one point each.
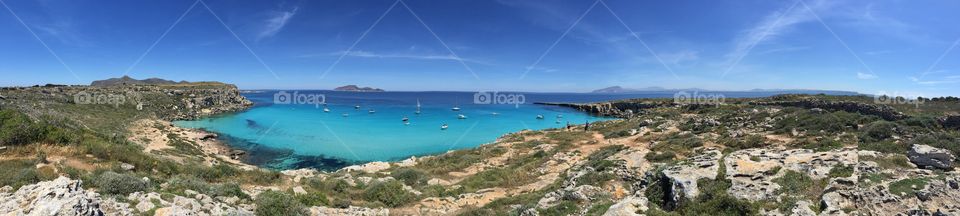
{"type": "Point", "coordinates": [930, 157]}
{"type": "Point", "coordinates": [61, 196]}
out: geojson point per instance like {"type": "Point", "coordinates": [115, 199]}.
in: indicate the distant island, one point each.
{"type": "Point", "coordinates": [355, 88]}
{"type": "Point", "coordinates": [622, 90]}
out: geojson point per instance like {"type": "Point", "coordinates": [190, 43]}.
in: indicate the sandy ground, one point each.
{"type": "Point", "coordinates": [153, 136]}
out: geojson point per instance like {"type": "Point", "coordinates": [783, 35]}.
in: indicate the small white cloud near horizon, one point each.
{"type": "Point", "coordinates": [276, 22]}
{"type": "Point", "coordinates": [866, 76]}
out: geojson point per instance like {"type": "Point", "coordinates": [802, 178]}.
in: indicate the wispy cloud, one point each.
{"type": "Point", "coordinates": [65, 32]}
{"type": "Point", "coordinates": [925, 79]}
{"type": "Point", "coordinates": [783, 49]}
{"type": "Point", "coordinates": [772, 27]}
{"type": "Point", "coordinates": [866, 76]}
{"type": "Point", "coordinates": [367, 54]}
{"type": "Point", "coordinates": [276, 22]}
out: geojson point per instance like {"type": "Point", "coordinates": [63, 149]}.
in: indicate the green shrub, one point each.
{"type": "Point", "coordinates": [659, 157]}
{"type": "Point", "coordinates": [885, 146]}
{"type": "Point", "coordinates": [751, 141]}
{"type": "Point", "coordinates": [390, 193]}
{"type": "Point", "coordinates": [17, 129]}
{"type": "Point", "coordinates": [313, 199]}
{"type": "Point", "coordinates": [17, 173]}
{"type": "Point", "coordinates": [877, 131]}
{"type": "Point", "coordinates": [841, 171]}
{"type": "Point", "coordinates": [907, 187]}
{"type": "Point", "coordinates": [275, 203]}
{"type": "Point", "coordinates": [120, 184]}
{"type": "Point", "coordinates": [565, 207]}
{"type": "Point", "coordinates": [410, 176]}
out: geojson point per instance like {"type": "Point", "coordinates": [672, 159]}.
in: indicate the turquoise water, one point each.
{"type": "Point", "coordinates": [294, 136]}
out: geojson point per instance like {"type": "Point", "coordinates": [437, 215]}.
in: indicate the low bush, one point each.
{"type": "Point", "coordinates": [389, 193]}
{"type": "Point", "coordinates": [907, 187]}
{"type": "Point", "coordinates": [275, 203]}
{"type": "Point", "coordinates": [119, 184]}
{"type": "Point", "coordinates": [410, 176]}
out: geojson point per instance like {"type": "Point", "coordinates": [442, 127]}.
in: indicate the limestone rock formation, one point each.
{"type": "Point", "coordinates": [929, 157]}
{"type": "Point", "coordinates": [61, 196]}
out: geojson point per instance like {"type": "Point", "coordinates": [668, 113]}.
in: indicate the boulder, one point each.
{"type": "Point", "coordinates": [925, 156]}
{"type": "Point", "coordinates": [628, 206]}
{"type": "Point", "coordinates": [61, 196]}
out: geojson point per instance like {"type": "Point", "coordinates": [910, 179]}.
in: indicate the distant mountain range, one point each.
{"type": "Point", "coordinates": [126, 80]}
{"type": "Point", "coordinates": [622, 90]}
{"type": "Point", "coordinates": [355, 88]}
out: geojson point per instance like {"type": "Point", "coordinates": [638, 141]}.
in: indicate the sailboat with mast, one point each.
{"type": "Point", "coordinates": [418, 107]}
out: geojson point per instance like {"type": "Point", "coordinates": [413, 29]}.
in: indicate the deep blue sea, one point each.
{"type": "Point", "coordinates": [289, 136]}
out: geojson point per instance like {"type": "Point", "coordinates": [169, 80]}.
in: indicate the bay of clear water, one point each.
{"type": "Point", "coordinates": [289, 136]}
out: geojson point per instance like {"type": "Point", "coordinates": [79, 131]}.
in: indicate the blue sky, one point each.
{"type": "Point", "coordinates": [896, 47]}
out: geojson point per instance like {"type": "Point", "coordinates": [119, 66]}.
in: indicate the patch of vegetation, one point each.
{"type": "Point", "coordinates": [275, 203]}
{"type": "Point", "coordinates": [458, 160]}
{"type": "Point", "coordinates": [410, 176]}
{"type": "Point", "coordinates": [820, 145]}
{"type": "Point", "coordinates": [800, 185]}
{"type": "Point", "coordinates": [389, 193]}
{"type": "Point", "coordinates": [893, 161]}
{"type": "Point", "coordinates": [17, 173]}
{"type": "Point", "coordinates": [820, 123]}
{"type": "Point", "coordinates": [750, 141]}
{"type": "Point", "coordinates": [908, 187]}
{"type": "Point", "coordinates": [119, 184]}
{"type": "Point", "coordinates": [518, 172]}
{"type": "Point", "coordinates": [674, 146]}
{"type": "Point", "coordinates": [885, 146]}
{"type": "Point", "coordinates": [877, 131]}
{"type": "Point", "coordinates": [565, 207]}
{"type": "Point", "coordinates": [840, 171]}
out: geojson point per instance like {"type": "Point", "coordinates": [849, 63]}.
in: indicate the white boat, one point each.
{"type": "Point", "coordinates": [443, 127]}
{"type": "Point", "coordinates": [356, 107]}
{"type": "Point", "coordinates": [461, 116]}
{"type": "Point", "coordinates": [559, 116]}
{"type": "Point", "coordinates": [539, 116]}
{"type": "Point", "coordinates": [372, 111]}
{"type": "Point", "coordinates": [405, 119]}
{"type": "Point", "coordinates": [495, 113]}
{"type": "Point", "coordinates": [345, 114]}
{"type": "Point", "coordinates": [418, 107]}
{"type": "Point", "coordinates": [325, 109]}
{"type": "Point", "coordinates": [455, 108]}
{"type": "Point", "coordinates": [406, 123]}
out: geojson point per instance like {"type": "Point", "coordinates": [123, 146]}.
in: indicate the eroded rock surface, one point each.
{"type": "Point", "coordinates": [929, 157]}
{"type": "Point", "coordinates": [61, 196]}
